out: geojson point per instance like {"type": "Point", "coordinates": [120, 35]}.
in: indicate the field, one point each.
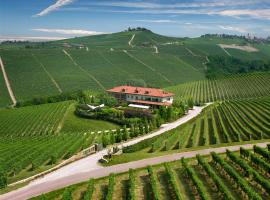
{"type": "Point", "coordinates": [235, 175]}
{"type": "Point", "coordinates": [225, 122]}
{"type": "Point", "coordinates": [108, 60]}
{"type": "Point", "coordinates": [232, 87]}
{"type": "Point", "coordinates": [35, 138]}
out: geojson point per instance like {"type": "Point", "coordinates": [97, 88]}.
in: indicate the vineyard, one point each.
{"type": "Point", "coordinates": [233, 87]}
{"type": "Point", "coordinates": [225, 122]}
{"type": "Point", "coordinates": [34, 138]}
{"type": "Point", "coordinates": [46, 70]}
{"type": "Point", "coordinates": [233, 175]}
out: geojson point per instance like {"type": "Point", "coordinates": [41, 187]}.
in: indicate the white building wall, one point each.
{"type": "Point", "coordinates": [131, 97]}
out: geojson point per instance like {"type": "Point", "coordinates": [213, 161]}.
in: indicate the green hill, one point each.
{"type": "Point", "coordinates": [103, 61]}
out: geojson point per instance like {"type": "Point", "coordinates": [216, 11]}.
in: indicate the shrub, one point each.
{"type": "Point", "coordinates": [110, 187]}
{"type": "Point", "coordinates": [131, 185]}
{"type": "Point", "coordinates": [67, 194]}
{"type": "Point", "coordinates": [3, 180]}
{"type": "Point", "coordinates": [153, 183]}
{"type": "Point", "coordinates": [90, 189]}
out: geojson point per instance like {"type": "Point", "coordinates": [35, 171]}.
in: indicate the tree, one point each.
{"type": "Point", "coordinates": [162, 112]}
{"type": "Point", "coordinates": [190, 102]}
{"type": "Point", "coordinates": [3, 180]}
{"type": "Point", "coordinates": [112, 138]}
{"type": "Point", "coordinates": [169, 115]}
{"type": "Point", "coordinates": [158, 121]}
{"type": "Point", "coordinates": [141, 129]}
{"type": "Point", "coordinates": [118, 136]}
{"type": "Point", "coordinates": [146, 126]}
{"type": "Point", "coordinates": [125, 134]}
{"type": "Point", "coordinates": [104, 139]}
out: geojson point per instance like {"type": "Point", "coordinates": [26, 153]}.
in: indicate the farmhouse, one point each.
{"type": "Point", "coordinates": [144, 96]}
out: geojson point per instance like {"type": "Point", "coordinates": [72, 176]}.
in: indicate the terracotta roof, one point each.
{"type": "Point", "coordinates": [154, 92]}
{"type": "Point", "coordinates": [151, 103]}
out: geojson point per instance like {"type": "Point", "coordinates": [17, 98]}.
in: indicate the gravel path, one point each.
{"type": "Point", "coordinates": [37, 189]}
{"type": "Point", "coordinates": [10, 91]}
{"type": "Point", "coordinates": [130, 41]}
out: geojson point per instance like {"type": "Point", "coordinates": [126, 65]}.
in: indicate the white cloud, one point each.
{"type": "Point", "coordinates": [172, 5]}
{"type": "Point", "coordinates": [58, 4]}
{"type": "Point", "coordinates": [157, 21]}
{"type": "Point", "coordinates": [68, 31]}
{"type": "Point", "coordinates": [255, 13]}
{"type": "Point", "coordinates": [29, 38]}
{"type": "Point", "coordinates": [234, 29]}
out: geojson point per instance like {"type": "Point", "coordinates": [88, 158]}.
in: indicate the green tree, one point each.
{"type": "Point", "coordinates": [169, 115]}
{"type": "Point", "coordinates": [158, 121]}
{"type": "Point", "coordinates": [141, 129]}
{"type": "Point", "coordinates": [112, 137]}
{"type": "Point", "coordinates": [104, 139]}
{"type": "Point", "coordinates": [190, 102]}
{"type": "Point", "coordinates": [118, 136]}
{"type": "Point", "coordinates": [125, 134]}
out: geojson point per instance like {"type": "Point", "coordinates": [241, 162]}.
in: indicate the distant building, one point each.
{"type": "Point", "coordinates": [143, 96]}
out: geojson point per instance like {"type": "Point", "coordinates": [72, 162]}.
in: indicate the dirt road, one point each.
{"type": "Point", "coordinates": [10, 91]}
{"type": "Point", "coordinates": [130, 41]}
{"type": "Point", "coordinates": [37, 189]}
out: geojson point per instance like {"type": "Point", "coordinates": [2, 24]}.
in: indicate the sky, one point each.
{"type": "Point", "coordinates": [58, 19]}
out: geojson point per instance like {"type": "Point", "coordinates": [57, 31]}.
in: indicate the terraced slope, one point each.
{"type": "Point", "coordinates": [241, 175]}
{"type": "Point", "coordinates": [233, 87]}
{"type": "Point", "coordinates": [225, 122]}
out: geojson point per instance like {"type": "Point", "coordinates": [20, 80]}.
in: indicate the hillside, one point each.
{"type": "Point", "coordinates": [103, 61]}
{"type": "Point", "coordinates": [35, 138]}
{"type": "Point", "coordinates": [240, 86]}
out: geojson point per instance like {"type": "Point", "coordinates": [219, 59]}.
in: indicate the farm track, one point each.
{"type": "Point", "coordinates": [156, 49]}
{"type": "Point", "coordinates": [225, 51]}
{"type": "Point", "coordinates": [130, 41]}
{"type": "Point", "coordinates": [49, 75]}
{"type": "Point", "coordinates": [83, 70]}
{"type": "Point", "coordinates": [10, 91]}
{"type": "Point", "coordinates": [191, 52]}
{"type": "Point", "coordinates": [148, 66]}
{"type": "Point", "coordinates": [34, 190]}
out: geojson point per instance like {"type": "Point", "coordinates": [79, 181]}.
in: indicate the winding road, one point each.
{"type": "Point", "coordinates": [88, 167]}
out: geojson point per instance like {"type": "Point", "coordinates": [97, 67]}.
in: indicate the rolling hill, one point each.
{"type": "Point", "coordinates": [103, 61]}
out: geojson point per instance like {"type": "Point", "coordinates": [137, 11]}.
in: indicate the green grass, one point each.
{"type": "Point", "coordinates": [72, 123]}
{"type": "Point", "coordinates": [188, 180]}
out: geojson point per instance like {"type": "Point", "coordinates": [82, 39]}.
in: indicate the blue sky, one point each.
{"type": "Point", "coordinates": [56, 19]}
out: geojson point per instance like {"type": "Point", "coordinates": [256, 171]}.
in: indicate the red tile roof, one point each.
{"type": "Point", "coordinates": [153, 92]}
{"type": "Point", "coordinates": [151, 102]}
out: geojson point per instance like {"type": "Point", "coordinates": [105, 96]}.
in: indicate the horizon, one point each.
{"type": "Point", "coordinates": [62, 19]}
